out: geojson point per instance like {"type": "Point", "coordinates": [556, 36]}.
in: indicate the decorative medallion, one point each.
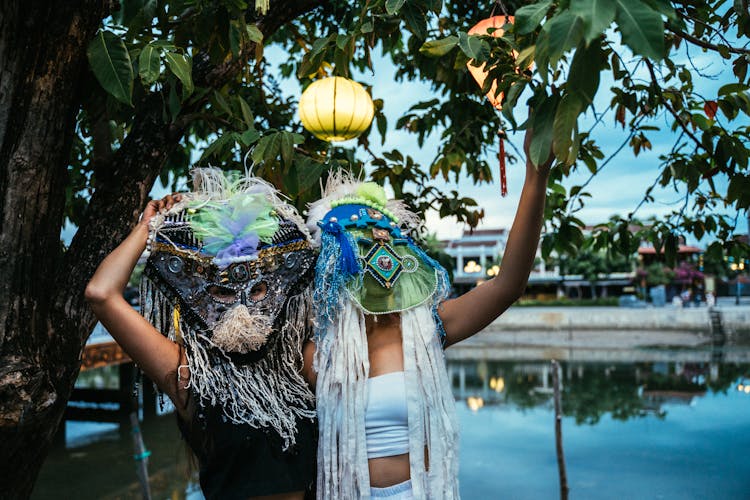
{"type": "Point", "coordinates": [291, 260]}
{"type": "Point", "coordinates": [383, 264]}
{"type": "Point", "coordinates": [410, 263]}
{"type": "Point", "coordinates": [374, 214]}
{"type": "Point", "coordinates": [240, 273]}
{"type": "Point", "coordinates": [174, 264]}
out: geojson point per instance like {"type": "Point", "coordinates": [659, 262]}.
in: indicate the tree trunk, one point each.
{"type": "Point", "coordinates": [42, 54]}
{"type": "Point", "coordinates": [44, 320]}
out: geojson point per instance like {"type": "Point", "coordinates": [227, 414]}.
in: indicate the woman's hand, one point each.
{"type": "Point", "coordinates": [156, 206]}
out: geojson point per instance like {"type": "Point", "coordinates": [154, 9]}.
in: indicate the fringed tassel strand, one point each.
{"type": "Point", "coordinates": [501, 158]}
{"type": "Point", "coordinates": [343, 367]}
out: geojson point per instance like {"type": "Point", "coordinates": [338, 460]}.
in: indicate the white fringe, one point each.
{"type": "Point", "coordinates": [268, 393]}
{"type": "Point", "coordinates": [433, 425]}
{"type": "Point", "coordinates": [343, 368]}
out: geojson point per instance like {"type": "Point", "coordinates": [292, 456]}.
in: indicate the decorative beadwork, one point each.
{"type": "Point", "coordinates": [383, 264]}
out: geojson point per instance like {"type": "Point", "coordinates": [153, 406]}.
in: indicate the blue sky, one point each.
{"type": "Point", "coordinates": [616, 190]}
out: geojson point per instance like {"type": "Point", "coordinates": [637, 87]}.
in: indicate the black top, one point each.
{"type": "Point", "coordinates": [238, 461]}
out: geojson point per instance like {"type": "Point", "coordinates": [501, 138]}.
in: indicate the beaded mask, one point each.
{"type": "Point", "coordinates": [228, 278]}
{"type": "Point", "coordinates": [384, 270]}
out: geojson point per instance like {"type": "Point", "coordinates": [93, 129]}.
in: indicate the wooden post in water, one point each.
{"type": "Point", "coordinates": [558, 431]}
{"type": "Point", "coordinates": [141, 456]}
{"type": "Point", "coordinates": [140, 453]}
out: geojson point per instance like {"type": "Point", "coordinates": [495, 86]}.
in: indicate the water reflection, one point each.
{"type": "Point", "coordinates": [591, 390]}
{"type": "Point", "coordinates": [630, 430]}
{"type": "Point", "coordinates": [661, 429]}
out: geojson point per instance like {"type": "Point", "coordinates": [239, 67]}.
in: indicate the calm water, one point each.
{"type": "Point", "coordinates": [630, 430]}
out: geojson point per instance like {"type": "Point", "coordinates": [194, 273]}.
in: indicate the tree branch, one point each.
{"type": "Point", "coordinates": [672, 111]}
{"type": "Point", "coordinates": [702, 43]}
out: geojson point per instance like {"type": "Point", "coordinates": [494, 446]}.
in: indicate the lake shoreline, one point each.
{"type": "Point", "coordinates": [668, 318]}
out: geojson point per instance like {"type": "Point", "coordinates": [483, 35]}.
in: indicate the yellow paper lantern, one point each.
{"type": "Point", "coordinates": [336, 109]}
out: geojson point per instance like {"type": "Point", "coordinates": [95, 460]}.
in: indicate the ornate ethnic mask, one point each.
{"type": "Point", "coordinates": [235, 299]}
{"type": "Point", "coordinates": [229, 278]}
{"type": "Point", "coordinates": [383, 270]}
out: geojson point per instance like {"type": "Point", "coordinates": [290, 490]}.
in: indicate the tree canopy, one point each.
{"type": "Point", "coordinates": [555, 53]}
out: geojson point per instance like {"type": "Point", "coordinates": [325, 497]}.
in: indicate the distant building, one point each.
{"type": "Point", "coordinates": [648, 254]}
{"type": "Point", "coordinates": [476, 258]}
{"type": "Point", "coordinates": [474, 254]}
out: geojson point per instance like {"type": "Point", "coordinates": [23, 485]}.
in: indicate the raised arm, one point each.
{"type": "Point", "coordinates": [157, 356]}
{"type": "Point", "coordinates": [468, 314]}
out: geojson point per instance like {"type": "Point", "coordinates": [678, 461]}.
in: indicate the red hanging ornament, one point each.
{"type": "Point", "coordinates": [480, 75]}
{"type": "Point", "coordinates": [501, 157]}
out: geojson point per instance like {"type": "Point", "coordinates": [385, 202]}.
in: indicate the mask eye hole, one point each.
{"type": "Point", "coordinates": [258, 291]}
{"type": "Point", "coordinates": [222, 294]}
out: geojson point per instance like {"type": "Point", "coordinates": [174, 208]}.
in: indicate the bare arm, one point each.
{"type": "Point", "coordinates": [466, 315]}
{"type": "Point", "coordinates": [308, 357]}
{"type": "Point", "coordinates": [157, 356]}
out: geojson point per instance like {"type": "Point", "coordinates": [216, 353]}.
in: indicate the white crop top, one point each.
{"type": "Point", "coordinates": [386, 420]}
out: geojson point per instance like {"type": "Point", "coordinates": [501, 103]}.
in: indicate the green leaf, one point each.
{"type": "Point", "coordinates": [247, 113]}
{"type": "Point", "coordinates": [566, 117]}
{"type": "Point", "coordinates": [254, 33]}
{"type": "Point", "coordinates": [528, 17]}
{"type": "Point", "coordinates": [583, 76]}
{"type": "Point", "coordinates": [415, 20]}
{"type": "Point", "coordinates": [234, 38]}
{"type": "Point", "coordinates": [393, 6]}
{"type": "Point", "coordinates": [218, 146]}
{"type": "Point", "coordinates": [291, 181]}
{"type": "Point", "coordinates": [565, 31]}
{"type": "Point", "coordinates": [367, 27]}
{"type": "Point", "coordinates": [597, 16]}
{"type": "Point", "coordinates": [249, 136]}
{"type": "Point", "coordinates": [382, 123]}
{"type": "Point", "coordinates": [543, 121]}
{"type": "Point", "coordinates": [148, 65]}
{"type": "Point", "coordinates": [438, 48]}
{"type": "Point", "coordinates": [222, 103]}
{"type": "Point", "coordinates": [308, 172]}
{"type": "Point", "coordinates": [473, 46]}
{"type": "Point", "coordinates": [182, 67]}
{"type": "Point", "coordinates": [110, 62]}
{"type": "Point", "coordinates": [268, 148]}
{"type": "Point", "coordinates": [174, 104]}
{"type": "Point", "coordinates": [341, 41]}
{"type": "Point", "coordinates": [732, 88]}
{"type": "Point", "coordinates": [642, 28]}
{"type": "Point", "coordinates": [541, 54]}
{"type": "Point", "coordinates": [665, 8]}
{"type": "Point", "coordinates": [287, 148]}
{"type": "Point", "coordinates": [319, 45]}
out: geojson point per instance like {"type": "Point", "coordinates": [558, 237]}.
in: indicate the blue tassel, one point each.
{"type": "Point", "coordinates": [348, 258]}
{"type": "Point", "coordinates": [330, 279]}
